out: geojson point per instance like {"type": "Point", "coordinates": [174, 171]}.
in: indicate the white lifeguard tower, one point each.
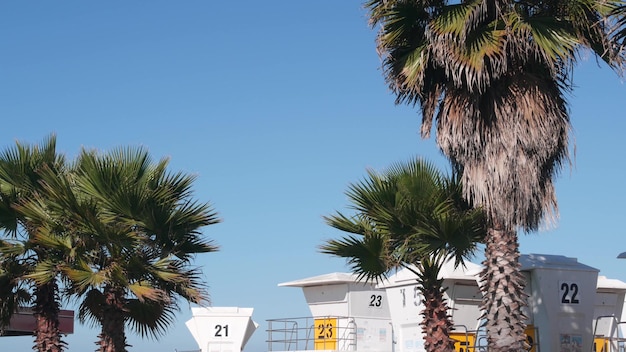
{"type": "Point", "coordinates": [405, 303]}
{"type": "Point", "coordinates": [561, 297]}
{"type": "Point", "coordinates": [608, 327]}
{"type": "Point", "coordinates": [221, 329]}
{"type": "Point", "coordinates": [347, 315]}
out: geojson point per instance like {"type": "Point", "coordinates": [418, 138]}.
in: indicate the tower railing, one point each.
{"type": "Point", "coordinates": [312, 333]}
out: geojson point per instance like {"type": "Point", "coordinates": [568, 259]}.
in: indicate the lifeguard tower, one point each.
{"type": "Point", "coordinates": [347, 315]}
{"type": "Point", "coordinates": [607, 316]}
{"type": "Point", "coordinates": [561, 297]}
{"type": "Point", "coordinates": [463, 297]}
{"type": "Point", "coordinates": [221, 329]}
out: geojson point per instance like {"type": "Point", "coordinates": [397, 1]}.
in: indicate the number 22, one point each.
{"type": "Point", "coordinates": [566, 288]}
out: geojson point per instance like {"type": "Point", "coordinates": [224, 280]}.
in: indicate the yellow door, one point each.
{"type": "Point", "coordinates": [531, 339]}
{"type": "Point", "coordinates": [600, 344]}
{"type": "Point", "coordinates": [463, 342]}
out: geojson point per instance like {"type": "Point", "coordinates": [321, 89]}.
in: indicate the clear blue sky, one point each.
{"type": "Point", "coordinates": [276, 106]}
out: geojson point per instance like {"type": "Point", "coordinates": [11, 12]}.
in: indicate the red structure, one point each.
{"type": "Point", "coordinates": [23, 323]}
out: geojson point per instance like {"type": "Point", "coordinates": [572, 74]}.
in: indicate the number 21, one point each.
{"type": "Point", "coordinates": [221, 330]}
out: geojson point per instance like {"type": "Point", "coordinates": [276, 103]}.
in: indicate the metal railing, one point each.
{"type": "Point", "coordinates": [312, 333]}
{"type": "Point", "coordinates": [612, 342]}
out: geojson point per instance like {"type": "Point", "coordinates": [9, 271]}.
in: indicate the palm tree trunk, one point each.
{"type": "Point", "coordinates": [112, 337]}
{"type": "Point", "coordinates": [436, 322]}
{"type": "Point", "coordinates": [502, 285]}
{"type": "Point", "coordinates": [47, 335]}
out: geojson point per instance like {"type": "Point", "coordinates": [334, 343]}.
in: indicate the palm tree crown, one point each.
{"type": "Point", "coordinates": [132, 229]}
{"type": "Point", "coordinates": [411, 216]}
{"type": "Point", "coordinates": [493, 74]}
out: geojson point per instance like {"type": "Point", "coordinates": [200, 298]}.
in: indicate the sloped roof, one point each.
{"type": "Point", "coordinates": [326, 279]}
{"type": "Point", "coordinates": [605, 283]}
{"type": "Point", "coordinates": [550, 261]}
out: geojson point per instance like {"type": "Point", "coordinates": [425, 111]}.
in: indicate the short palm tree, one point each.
{"type": "Point", "coordinates": [493, 75]}
{"type": "Point", "coordinates": [411, 216]}
{"type": "Point", "coordinates": [20, 183]}
{"type": "Point", "coordinates": [138, 229]}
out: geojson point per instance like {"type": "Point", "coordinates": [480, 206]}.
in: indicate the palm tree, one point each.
{"type": "Point", "coordinates": [493, 75]}
{"type": "Point", "coordinates": [22, 254]}
{"type": "Point", "coordinates": [411, 216]}
{"type": "Point", "coordinates": [138, 229]}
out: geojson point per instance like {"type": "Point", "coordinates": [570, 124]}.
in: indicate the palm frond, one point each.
{"type": "Point", "coordinates": [90, 311]}
{"type": "Point", "coordinates": [150, 319]}
{"type": "Point", "coordinates": [367, 256]}
{"type": "Point", "coordinates": [409, 212]}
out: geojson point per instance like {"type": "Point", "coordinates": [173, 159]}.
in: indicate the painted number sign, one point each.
{"type": "Point", "coordinates": [568, 292]}
{"type": "Point", "coordinates": [325, 334]}
{"type": "Point", "coordinates": [221, 330]}
{"type": "Point", "coordinates": [416, 296]}
{"type": "Point", "coordinates": [376, 301]}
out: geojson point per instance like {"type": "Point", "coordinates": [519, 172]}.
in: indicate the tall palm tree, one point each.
{"type": "Point", "coordinates": [138, 228]}
{"type": "Point", "coordinates": [493, 75]}
{"type": "Point", "coordinates": [20, 177]}
{"type": "Point", "coordinates": [410, 216]}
